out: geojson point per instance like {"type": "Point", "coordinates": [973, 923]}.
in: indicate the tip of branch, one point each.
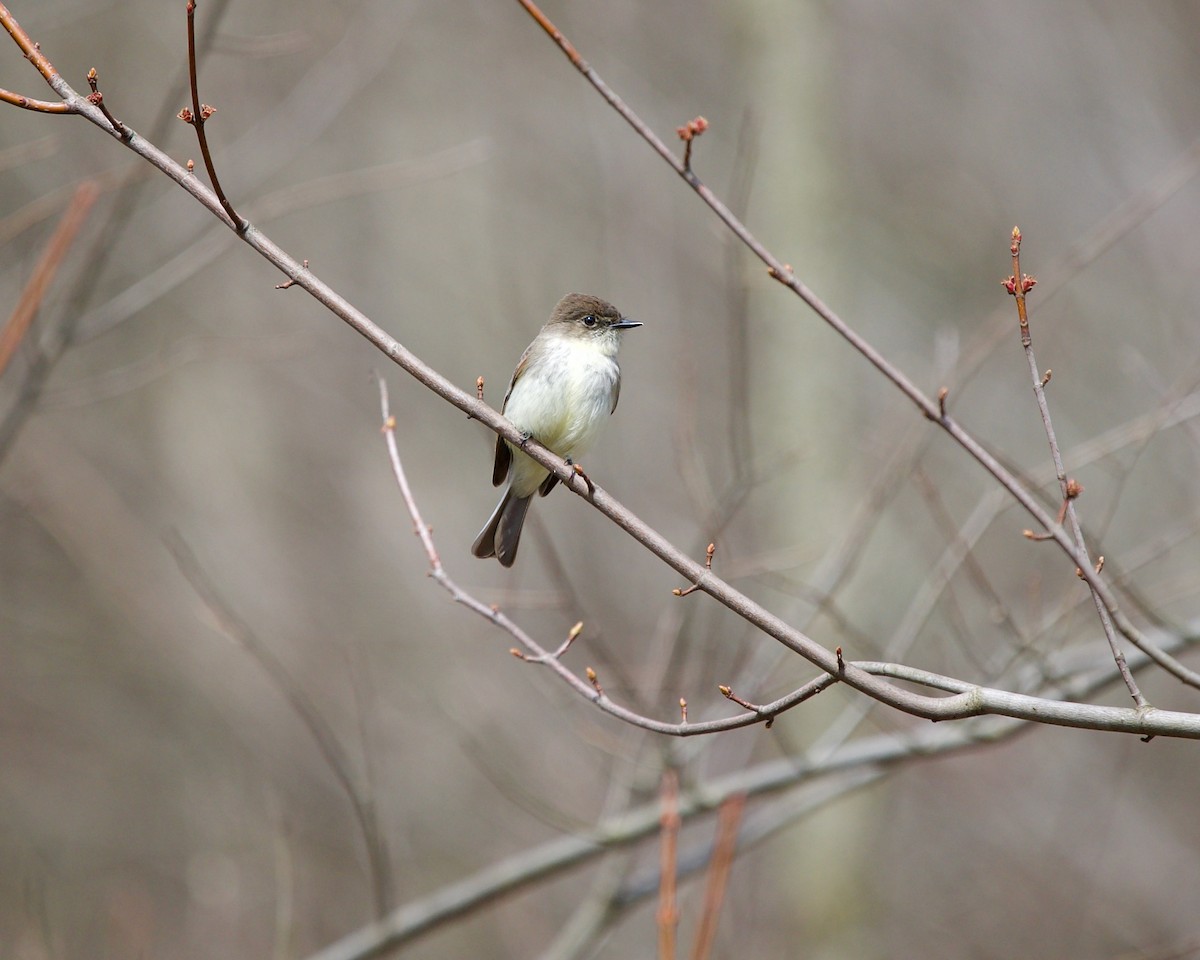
{"type": "Point", "coordinates": [692, 129]}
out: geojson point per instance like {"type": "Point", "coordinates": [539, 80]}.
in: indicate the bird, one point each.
{"type": "Point", "coordinates": [566, 385]}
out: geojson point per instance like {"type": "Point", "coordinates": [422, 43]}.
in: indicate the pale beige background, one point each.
{"type": "Point", "coordinates": [158, 795]}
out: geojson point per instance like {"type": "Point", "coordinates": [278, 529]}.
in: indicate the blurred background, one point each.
{"type": "Point", "coordinates": [237, 719]}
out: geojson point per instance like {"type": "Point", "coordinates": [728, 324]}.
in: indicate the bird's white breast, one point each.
{"type": "Point", "coordinates": [565, 400]}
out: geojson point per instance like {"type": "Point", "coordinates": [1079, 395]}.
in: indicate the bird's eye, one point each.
{"type": "Point", "coordinates": [589, 321]}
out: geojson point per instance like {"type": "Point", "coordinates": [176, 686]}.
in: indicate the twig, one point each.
{"type": "Point", "coordinates": [97, 99]}
{"type": "Point", "coordinates": [199, 113]}
{"type": "Point", "coordinates": [724, 849]}
{"type": "Point", "coordinates": [288, 284]}
{"type": "Point", "coordinates": [47, 266]}
{"type": "Point", "coordinates": [532, 652]}
{"type": "Point", "coordinates": [1019, 285]}
{"type": "Point", "coordinates": [766, 712]}
{"type": "Point", "coordinates": [572, 636]}
{"type": "Point", "coordinates": [688, 134]}
{"type": "Point", "coordinates": [708, 557]}
{"type": "Point", "coordinates": [667, 917]}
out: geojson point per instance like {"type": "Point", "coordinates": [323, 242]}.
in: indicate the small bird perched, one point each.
{"type": "Point", "coordinates": [562, 391]}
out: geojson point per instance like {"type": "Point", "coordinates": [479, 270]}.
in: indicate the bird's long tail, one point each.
{"type": "Point", "coordinates": [502, 533]}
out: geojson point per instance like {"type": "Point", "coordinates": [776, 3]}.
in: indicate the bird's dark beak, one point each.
{"type": "Point", "coordinates": [625, 324]}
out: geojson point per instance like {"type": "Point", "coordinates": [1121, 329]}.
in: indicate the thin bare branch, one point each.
{"type": "Point", "coordinates": [1019, 285]}
{"type": "Point", "coordinates": [197, 117]}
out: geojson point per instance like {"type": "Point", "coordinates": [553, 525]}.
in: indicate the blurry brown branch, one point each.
{"type": "Point", "coordinates": [47, 266]}
{"type": "Point", "coordinates": [667, 917]}
{"type": "Point", "coordinates": [724, 848]}
{"type": "Point", "coordinates": [46, 205]}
